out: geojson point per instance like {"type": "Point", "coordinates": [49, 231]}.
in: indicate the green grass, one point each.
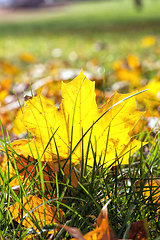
{"type": "Point", "coordinates": [96, 186]}
{"type": "Point", "coordinates": [87, 16]}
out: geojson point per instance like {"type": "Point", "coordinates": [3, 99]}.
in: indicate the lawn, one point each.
{"type": "Point", "coordinates": [77, 27]}
{"type": "Point", "coordinates": [63, 157]}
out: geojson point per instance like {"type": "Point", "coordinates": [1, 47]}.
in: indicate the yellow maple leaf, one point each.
{"type": "Point", "coordinates": [79, 117]}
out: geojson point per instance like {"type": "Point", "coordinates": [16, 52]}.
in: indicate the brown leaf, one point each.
{"type": "Point", "coordinates": [138, 231]}
{"type": "Point", "coordinates": [102, 232]}
{"type": "Point", "coordinates": [75, 232]}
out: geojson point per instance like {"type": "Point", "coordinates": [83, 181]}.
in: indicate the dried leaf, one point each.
{"type": "Point", "coordinates": [138, 231]}
{"type": "Point", "coordinates": [74, 232]}
{"type": "Point", "coordinates": [7, 167]}
{"type": "Point", "coordinates": [102, 232]}
{"type": "Point", "coordinates": [27, 164]}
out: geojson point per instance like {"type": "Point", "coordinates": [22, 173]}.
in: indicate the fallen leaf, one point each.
{"type": "Point", "coordinates": [102, 232]}
{"type": "Point", "coordinates": [9, 172]}
{"type": "Point", "coordinates": [152, 97]}
{"type": "Point", "coordinates": [148, 41]}
{"type": "Point", "coordinates": [128, 70]}
{"type": "Point", "coordinates": [62, 128]}
{"type": "Point", "coordinates": [33, 213]}
{"type": "Point", "coordinates": [4, 89]}
{"type": "Point", "coordinates": [28, 57]}
{"type": "Point", "coordinates": [138, 231]}
{"type": "Point", "coordinates": [9, 68]}
{"type": "Point", "coordinates": [28, 167]}
{"type": "Point", "coordinates": [151, 192]}
{"type": "Point", "coordinates": [74, 232]}
{"type": "Point", "coordinates": [133, 61]}
{"type": "Point", "coordinates": [151, 188]}
{"type": "Point", "coordinates": [26, 164]}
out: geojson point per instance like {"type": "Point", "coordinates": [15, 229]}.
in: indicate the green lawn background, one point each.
{"type": "Point", "coordinates": [77, 27]}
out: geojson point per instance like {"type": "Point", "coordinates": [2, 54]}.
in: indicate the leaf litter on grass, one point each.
{"type": "Point", "coordinates": [37, 163]}
{"type": "Point", "coordinates": [69, 125]}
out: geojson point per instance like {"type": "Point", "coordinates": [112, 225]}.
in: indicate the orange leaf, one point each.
{"type": "Point", "coordinates": [26, 163]}
{"type": "Point", "coordinates": [33, 213]}
{"type": "Point", "coordinates": [102, 232]}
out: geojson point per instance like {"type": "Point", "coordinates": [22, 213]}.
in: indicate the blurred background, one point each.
{"type": "Point", "coordinates": [77, 31]}
{"type": "Point", "coordinates": [113, 40]}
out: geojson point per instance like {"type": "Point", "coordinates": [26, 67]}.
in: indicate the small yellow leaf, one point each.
{"type": "Point", "coordinates": [28, 57]}
{"type": "Point", "coordinates": [133, 61]}
{"type": "Point", "coordinates": [152, 96]}
{"type": "Point", "coordinates": [151, 188]}
{"type": "Point", "coordinates": [148, 41]}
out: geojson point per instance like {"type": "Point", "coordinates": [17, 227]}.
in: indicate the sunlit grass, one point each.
{"type": "Point", "coordinates": [95, 187]}
{"type": "Point", "coordinates": [78, 28]}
